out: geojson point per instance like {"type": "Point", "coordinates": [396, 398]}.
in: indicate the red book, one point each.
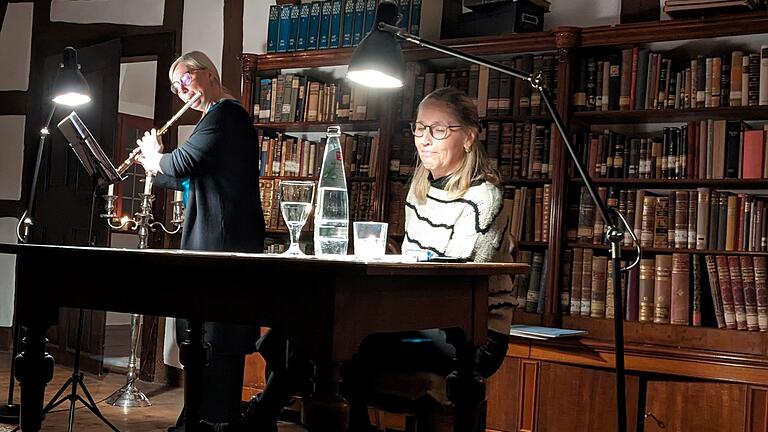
{"type": "Point", "coordinates": [752, 159]}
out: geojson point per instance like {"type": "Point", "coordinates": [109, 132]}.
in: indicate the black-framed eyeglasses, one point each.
{"type": "Point", "coordinates": [183, 81]}
{"type": "Point", "coordinates": [438, 131]}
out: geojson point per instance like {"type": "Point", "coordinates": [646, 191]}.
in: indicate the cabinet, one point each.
{"type": "Point", "coordinates": [542, 380]}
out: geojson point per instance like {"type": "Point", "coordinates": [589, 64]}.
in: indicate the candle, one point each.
{"type": "Point", "coordinates": [178, 195]}
{"type": "Point", "coordinates": [111, 189]}
{"type": "Point", "coordinates": [148, 184]}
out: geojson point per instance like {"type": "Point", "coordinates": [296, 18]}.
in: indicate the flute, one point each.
{"type": "Point", "coordinates": [134, 155]}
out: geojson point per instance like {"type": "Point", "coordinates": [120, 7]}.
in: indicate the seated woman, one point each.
{"type": "Point", "coordinates": [454, 208]}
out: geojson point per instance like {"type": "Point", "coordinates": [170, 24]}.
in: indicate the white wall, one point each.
{"type": "Point", "coordinates": [12, 160]}
{"type": "Point", "coordinates": [134, 12]}
{"type": "Point", "coordinates": [7, 272]}
{"type": "Point", "coordinates": [16, 46]}
{"type": "Point", "coordinates": [137, 89]}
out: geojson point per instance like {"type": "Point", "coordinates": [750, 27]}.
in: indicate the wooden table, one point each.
{"type": "Point", "coordinates": [328, 306]}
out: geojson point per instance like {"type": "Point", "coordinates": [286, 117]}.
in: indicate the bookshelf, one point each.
{"type": "Point", "coordinates": [674, 371]}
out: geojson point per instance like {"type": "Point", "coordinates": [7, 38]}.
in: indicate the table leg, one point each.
{"type": "Point", "coordinates": [34, 369]}
{"type": "Point", "coordinates": [466, 387]}
{"type": "Point", "coordinates": [194, 354]}
{"type": "Point", "coordinates": [325, 410]}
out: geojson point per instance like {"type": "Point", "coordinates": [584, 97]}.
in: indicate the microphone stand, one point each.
{"type": "Point", "coordinates": [614, 234]}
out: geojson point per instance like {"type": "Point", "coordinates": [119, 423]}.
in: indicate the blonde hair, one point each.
{"type": "Point", "coordinates": [475, 165]}
{"type": "Point", "coordinates": [195, 60]}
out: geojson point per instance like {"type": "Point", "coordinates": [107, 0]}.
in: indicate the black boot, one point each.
{"type": "Point", "coordinates": [255, 419]}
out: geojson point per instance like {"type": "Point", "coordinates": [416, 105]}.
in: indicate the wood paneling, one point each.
{"type": "Point", "coordinates": [695, 406]}
{"type": "Point", "coordinates": [581, 399]}
{"type": "Point", "coordinates": [757, 409]}
{"type": "Point", "coordinates": [233, 46]}
{"type": "Point", "coordinates": [528, 395]}
{"type": "Point", "coordinates": [502, 400]}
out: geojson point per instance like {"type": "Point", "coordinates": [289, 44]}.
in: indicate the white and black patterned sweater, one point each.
{"type": "Point", "coordinates": [475, 227]}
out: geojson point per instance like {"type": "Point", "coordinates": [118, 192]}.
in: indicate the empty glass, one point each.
{"type": "Point", "coordinates": [295, 204]}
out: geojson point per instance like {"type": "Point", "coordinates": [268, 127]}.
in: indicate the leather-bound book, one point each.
{"type": "Point", "coordinates": [662, 289]}
{"type": "Point", "coordinates": [680, 289]}
{"type": "Point", "coordinates": [761, 291]}
{"type": "Point", "coordinates": [750, 292]}
{"type": "Point", "coordinates": [646, 289]}
{"type": "Point", "coordinates": [737, 287]}
{"type": "Point", "coordinates": [714, 289]}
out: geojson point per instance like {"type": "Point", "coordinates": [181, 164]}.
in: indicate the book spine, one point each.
{"type": "Point", "coordinates": [646, 290]}
{"type": "Point", "coordinates": [761, 291]}
{"type": "Point", "coordinates": [334, 37]}
{"type": "Point", "coordinates": [273, 27]}
{"type": "Point", "coordinates": [662, 289]}
{"type": "Point", "coordinates": [737, 287]}
{"type": "Point", "coordinates": [750, 292]}
{"type": "Point", "coordinates": [680, 296]}
{"type": "Point", "coordinates": [715, 292]}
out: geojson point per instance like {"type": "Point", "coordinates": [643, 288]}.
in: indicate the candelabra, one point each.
{"type": "Point", "coordinates": [143, 222]}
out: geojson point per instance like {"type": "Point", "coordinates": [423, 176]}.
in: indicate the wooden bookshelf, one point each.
{"type": "Point", "coordinates": [727, 184]}
{"type": "Point", "coordinates": [528, 394]}
{"type": "Point", "coordinates": [320, 127]}
{"type": "Point", "coordinates": [672, 115]}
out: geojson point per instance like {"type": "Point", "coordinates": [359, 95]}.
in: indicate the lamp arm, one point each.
{"type": "Point", "coordinates": [24, 227]}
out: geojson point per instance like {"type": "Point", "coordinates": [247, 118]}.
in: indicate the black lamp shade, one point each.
{"type": "Point", "coordinates": [70, 87]}
{"type": "Point", "coordinates": [378, 60]}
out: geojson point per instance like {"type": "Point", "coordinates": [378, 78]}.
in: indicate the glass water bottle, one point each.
{"type": "Point", "coordinates": [332, 206]}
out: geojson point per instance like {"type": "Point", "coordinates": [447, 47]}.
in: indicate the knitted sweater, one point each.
{"type": "Point", "coordinates": [475, 227]}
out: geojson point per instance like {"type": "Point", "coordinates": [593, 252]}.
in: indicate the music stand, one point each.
{"type": "Point", "coordinates": [95, 162]}
{"type": "Point", "coordinates": [100, 168]}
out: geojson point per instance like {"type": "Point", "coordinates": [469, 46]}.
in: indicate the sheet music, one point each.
{"type": "Point", "coordinates": [87, 149]}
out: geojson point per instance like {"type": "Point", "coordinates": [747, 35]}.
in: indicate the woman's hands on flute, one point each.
{"type": "Point", "coordinates": [151, 148]}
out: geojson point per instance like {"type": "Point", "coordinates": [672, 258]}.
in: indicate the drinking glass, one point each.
{"type": "Point", "coordinates": [296, 204]}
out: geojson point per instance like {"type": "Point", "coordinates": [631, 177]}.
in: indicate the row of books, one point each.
{"type": "Point", "coordinates": [726, 291]}
{"type": "Point", "coordinates": [529, 289]}
{"type": "Point", "coordinates": [283, 155]}
{"type": "Point", "coordinates": [530, 211]}
{"type": "Point", "coordinates": [329, 23]}
{"type": "Point", "coordinates": [707, 149]}
{"type": "Point", "coordinates": [296, 98]}
{"type": "Point", "coordinates": [701, 219]}
{"type": "Point", "coordinates": [637, 78]}
{"type": "Point", "coordinates": [518, 150]}
{"type": "Point", "coordinates": [494, 93]}
{"type": "Point", "coordinates": [361, 204]}
{"type": "Point", "coordinates": [682, 8]}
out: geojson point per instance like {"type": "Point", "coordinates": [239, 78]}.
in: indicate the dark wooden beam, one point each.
{"type": "Point", "coordinates": [3, 8]}
{"type": "Point", "coordinates": [13, 102]}
{"type": "Point", "coordinates": [233, 46]}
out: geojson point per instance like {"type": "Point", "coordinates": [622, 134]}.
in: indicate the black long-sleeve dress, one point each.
{"type": "Point", "coordinates": [223, 213]}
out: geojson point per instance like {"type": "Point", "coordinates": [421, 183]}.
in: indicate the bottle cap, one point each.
{"type": "Point", "coordinates": [333, 130]}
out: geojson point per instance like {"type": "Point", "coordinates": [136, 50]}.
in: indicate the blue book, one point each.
{"type": "Point", "coordinates": [285, 28]}
{"type": "Point", "coordinates": [537, 332]}
{"type": "Point", "coordinates": [405, 14]}
{"type": "Point", "coordinates": [314, 24]}
{"type": "Point", "coordinates": [301, 39]}
{"type": "Point", "coordinates": [272, 28]}
{"type": "Point", "coordinates": [335, 24]}
{"type": "Point", "coordinates": [348, 24]}
{"type": "Point", "coordinates": [370, 16]}
{"type": "Point", "coordinates": [415, 20]}
{"type": "Point", "coordinates": [325, 25]}
{"type": "Point", "coordinates": [294, 34]}
{"type": "Point", "coordinates": [357, 33]}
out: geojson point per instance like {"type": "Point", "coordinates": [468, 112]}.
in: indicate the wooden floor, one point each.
{"type": "Point", "coordinates": [166, 404]}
